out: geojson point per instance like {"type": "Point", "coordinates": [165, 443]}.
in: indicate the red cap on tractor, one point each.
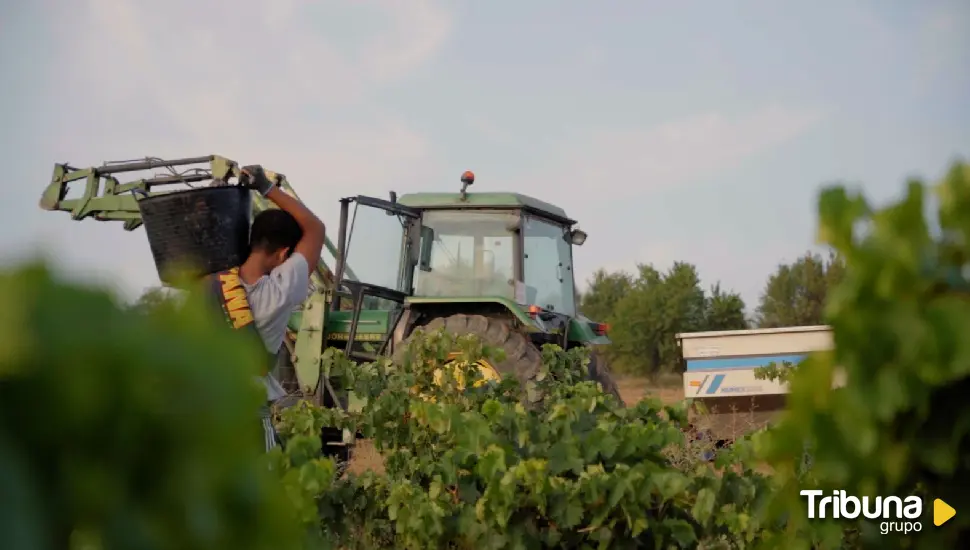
{"type": "Point", "coordinates": [467, 178]}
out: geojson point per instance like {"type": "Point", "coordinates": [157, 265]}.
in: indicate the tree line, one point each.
{"type": "Point", "coordinates": [647, 309]}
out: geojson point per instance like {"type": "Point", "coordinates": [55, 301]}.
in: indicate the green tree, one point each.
{"type": "Point", "coordinates": [795, 295]}
{"type": "Point", "coordinates": [724, 310]}
{"type": "Point", "coordinates": [657, 307]}
{"type": "Point", "coordinates": [637, 325]}
{"type": "Point", "coordinates": [684, 308]}
{"type": "Point", "coordinates": [685, 300]}
{"type": "Point", "coordinates": [604, 291]}
{"type": "Point", "coordinates": [152, 299]}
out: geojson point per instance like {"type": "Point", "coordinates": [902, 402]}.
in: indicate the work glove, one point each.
{"type": "Point", "coordinates": [254, 177]}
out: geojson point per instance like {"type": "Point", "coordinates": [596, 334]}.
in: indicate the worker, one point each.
{"type": "Point", "coordinates": [284, 248]}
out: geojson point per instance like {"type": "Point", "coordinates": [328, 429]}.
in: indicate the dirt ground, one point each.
{"type": "Point", "coordinates": [365, 456]}
{"type": "Point", "coordinates": [635, 389]}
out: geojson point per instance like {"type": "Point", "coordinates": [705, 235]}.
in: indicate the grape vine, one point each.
{"type": "Point", "coordinates": [478, 469]}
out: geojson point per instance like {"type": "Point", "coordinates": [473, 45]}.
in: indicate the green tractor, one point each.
{"type": "Point", "coordinates": [499, 265]}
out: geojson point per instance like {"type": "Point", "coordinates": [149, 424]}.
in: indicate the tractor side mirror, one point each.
{"type": "Point", "coordinates": [577, 237]}
{"type": "Point", "coordinates": [424, 256]}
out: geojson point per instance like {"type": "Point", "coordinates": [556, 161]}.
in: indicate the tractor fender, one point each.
{"type": "Point", "coordinates": [581, 331]}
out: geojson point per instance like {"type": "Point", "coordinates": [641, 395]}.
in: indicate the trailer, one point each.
{"type": "Point", "coordinates": [719, 372]}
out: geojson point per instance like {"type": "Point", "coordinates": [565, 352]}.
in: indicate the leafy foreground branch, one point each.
{"type": "Point", "coordinates": [900, 320]}
{"type": "Point", "coordinates": [120, 430]}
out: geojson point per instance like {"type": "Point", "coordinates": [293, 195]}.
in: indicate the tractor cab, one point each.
{"type": "Point", "coordinates": [498, 245]}
{"type": "Point", "coordinates": [451, 252]}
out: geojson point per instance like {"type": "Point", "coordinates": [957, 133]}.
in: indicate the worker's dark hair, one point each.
{"type": "Point", "coordinates": [274, 229]}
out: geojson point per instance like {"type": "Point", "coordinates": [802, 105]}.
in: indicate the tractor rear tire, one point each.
{"type": "Point", "coordinates": [522, 358]}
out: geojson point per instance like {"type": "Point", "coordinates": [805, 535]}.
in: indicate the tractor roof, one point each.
{"type": "Point", "coordinates": [483, 200]}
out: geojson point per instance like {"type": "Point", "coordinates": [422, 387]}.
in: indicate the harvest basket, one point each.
{"type": "Point", "coordinates": [196, 232]}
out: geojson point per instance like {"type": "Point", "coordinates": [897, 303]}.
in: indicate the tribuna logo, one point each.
{"type": "Point", "coordinates": [840, 505]}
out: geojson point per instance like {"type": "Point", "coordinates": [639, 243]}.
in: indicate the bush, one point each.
{"type": "Point", "coordinates": [476, 469]}
{"type": "Point", "coordinates": [121, 430]}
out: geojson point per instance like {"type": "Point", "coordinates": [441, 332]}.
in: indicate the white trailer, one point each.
{"type": "Point", "coordinates": [722, 363]}
{"type": "Point", "coordinates": [719, 369]}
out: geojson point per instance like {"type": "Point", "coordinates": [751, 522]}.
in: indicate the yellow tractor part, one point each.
{"type": "Point", "coordinates": [489, 374]}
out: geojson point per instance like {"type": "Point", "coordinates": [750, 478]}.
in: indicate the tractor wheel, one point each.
{"type": "Point", "coordinates": [599, 371]}
{"type": "Point", "coordinates": [522, 358]}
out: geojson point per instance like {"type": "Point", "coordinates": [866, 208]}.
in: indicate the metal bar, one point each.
{"type": "Point", "coordinates": [388, 205]}
{"type": "Point", "coordinates": [148, 164]}
{"type": "Point", "coordinates": [390, 331]}
{"type": "Point", "coordinates": [358, 298]}
{"type": "Point", "coordinates": [188, 178]}
{"type": "Point", "coordinates": [341, 247]}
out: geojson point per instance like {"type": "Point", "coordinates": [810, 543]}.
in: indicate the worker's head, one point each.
{"type": "Point", "coordinates": [273, 236]}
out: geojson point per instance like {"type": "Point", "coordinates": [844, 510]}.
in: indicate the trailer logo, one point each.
{"type": "Point", "coordinates": [717, 383]}
{"type": "Point", "coordinates": [899, 515]}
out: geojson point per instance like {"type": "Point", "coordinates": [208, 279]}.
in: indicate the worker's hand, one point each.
{"type": "Point", "coordinates": [254, 177]}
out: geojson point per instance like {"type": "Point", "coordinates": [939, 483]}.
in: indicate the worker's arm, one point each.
{"type": "Point", "coordinates": [314, 232]}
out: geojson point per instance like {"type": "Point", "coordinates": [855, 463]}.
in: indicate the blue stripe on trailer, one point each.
{"type": "Point", "coordinates": [742, 362]}
{"type": "Point", "coordinates": [716, 383]}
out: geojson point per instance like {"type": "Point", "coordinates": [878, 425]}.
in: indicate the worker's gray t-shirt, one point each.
{"type": "Point", "coordinates": [272, 299]}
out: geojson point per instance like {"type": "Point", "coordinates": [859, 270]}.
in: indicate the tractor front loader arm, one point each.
{"type": "Point", "coordinates": [105, 198]}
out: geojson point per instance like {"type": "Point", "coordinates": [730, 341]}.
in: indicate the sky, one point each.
{"type": "Point", "coordinates": [673, 131]}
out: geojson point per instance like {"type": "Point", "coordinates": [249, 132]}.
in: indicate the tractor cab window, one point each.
{"type": "Point", "coordinates": [377, 247]}
{"type": "Point", "coordinates": [548, 266]}
{"type": "Point", "coordinates": [471, 254]}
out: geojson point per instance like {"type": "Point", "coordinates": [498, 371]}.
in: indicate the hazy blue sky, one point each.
{"type": "Point", "coordinates": [688, 130]}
